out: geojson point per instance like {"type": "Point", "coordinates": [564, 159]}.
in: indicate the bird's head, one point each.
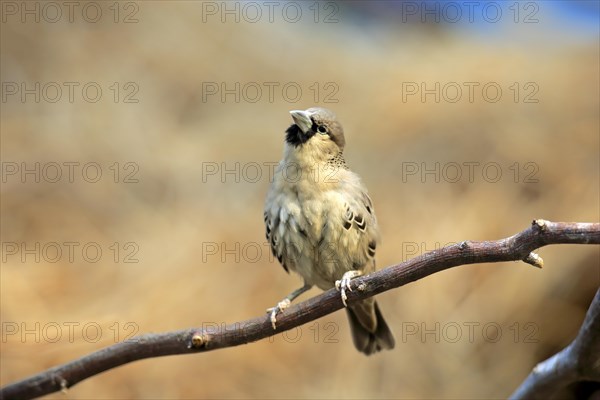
{"type": "Point", "coordinates": [315, 136]}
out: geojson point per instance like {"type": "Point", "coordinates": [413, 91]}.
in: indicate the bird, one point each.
{"type": "Point", "coordinates": [320, 222]}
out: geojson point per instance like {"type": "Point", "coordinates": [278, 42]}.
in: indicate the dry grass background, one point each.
{"type": "Point", "coordinates": [170, 213]}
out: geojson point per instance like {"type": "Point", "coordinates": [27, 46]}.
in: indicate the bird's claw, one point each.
{"type": "Point", "coordinates": [282, 305]}
{"type": "Point", "coordinates": [344, 284]}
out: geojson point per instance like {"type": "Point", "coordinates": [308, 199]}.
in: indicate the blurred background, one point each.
{"type": "Point", "coordinates": [137, 141]}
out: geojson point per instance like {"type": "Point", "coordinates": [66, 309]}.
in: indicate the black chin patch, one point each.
{"type": "Point", "coordinates": [295, 136]}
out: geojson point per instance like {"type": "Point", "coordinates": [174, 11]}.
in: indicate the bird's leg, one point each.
{"type": "Point", "coordinates": [344, 284]}
{"type": "Point", "coordinates": [285, 303]}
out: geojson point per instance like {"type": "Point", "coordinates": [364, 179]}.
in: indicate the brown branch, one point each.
{"type": "Point", "coordinates": [189, 341]}
{"type": "Point", "coordinates": [579, 361]}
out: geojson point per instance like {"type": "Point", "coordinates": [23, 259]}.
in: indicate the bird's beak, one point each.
{"type": "Point", "coordinates": [302, 119]}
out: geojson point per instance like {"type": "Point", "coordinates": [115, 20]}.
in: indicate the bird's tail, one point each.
{"type": "Point", "coordinates": [370, 332]}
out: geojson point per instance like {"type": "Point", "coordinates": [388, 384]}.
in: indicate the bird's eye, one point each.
{"type": "Point", "coordinates": [322, 129]}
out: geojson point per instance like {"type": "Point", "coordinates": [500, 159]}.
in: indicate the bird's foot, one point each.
{"type": "Point", "coordinates": [282, 305]}
{"type": "Point", "coordinates": [344, 284]}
